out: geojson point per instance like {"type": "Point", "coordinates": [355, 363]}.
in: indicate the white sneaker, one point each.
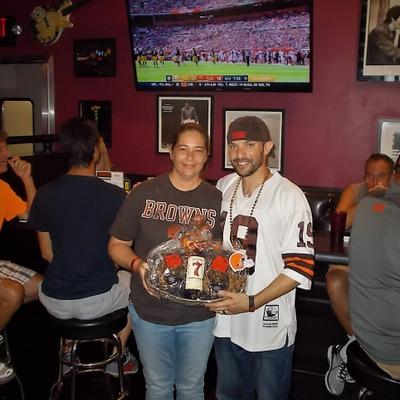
{"type": "Point", "coordinates": [6, 373]}
{"type": "Point", "coordinates": [337, 374]}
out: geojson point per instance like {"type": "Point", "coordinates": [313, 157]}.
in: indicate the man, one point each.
{"type": "Point", "coordinates": [374, 288]}
{"type": "Point", "coordinates": [188, 114]}
{"type": "Point", "coordinates": [72, 215]}
{"type": "Point", "coordinates": [18, 284]}
{"type": "Point", "coordinates": [381, 47]}
{"type": "Point", "coordinates": [268, 217]}
{"type": "Point", "coordinates": [377, 174]}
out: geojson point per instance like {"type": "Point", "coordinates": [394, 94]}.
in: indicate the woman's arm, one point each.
{"type": "Point", "coordinates": [122, 254]}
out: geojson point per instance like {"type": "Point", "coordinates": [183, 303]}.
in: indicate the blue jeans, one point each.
{"type": "Point", "coordinates": [173, 355]}
{"type": "Point", "coordinates": [244, 375]}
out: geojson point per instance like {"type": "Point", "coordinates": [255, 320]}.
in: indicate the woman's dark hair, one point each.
{"type": "Point", "coordinates": [393, 13]}
{"type": "Point", "coordinates": [79, 138]}
{"type": "Point", "coordinates": [190, 126]}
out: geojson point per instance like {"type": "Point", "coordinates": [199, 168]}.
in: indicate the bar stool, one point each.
{"type": "Point", "coordinates": [74, 332]}
{"type": "Point", "coordinates": [366, 373]}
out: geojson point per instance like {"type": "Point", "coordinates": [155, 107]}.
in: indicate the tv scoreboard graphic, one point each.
{"type": "Point", "coordinates": [215, 81]}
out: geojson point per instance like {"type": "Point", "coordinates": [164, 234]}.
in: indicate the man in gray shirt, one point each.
{"type": "Point", "coordinates": [374, 280]}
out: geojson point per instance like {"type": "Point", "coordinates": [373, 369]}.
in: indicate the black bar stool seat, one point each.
{"type": "Point", "coordinates": [73, 332]}
{"type": "Point", "coordinates": [367, 374]}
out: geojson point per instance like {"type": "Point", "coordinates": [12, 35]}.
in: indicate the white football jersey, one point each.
{"type": "Point", "coordinates": [278, 237]}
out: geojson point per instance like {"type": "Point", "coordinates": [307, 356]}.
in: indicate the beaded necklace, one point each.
{"type": "Point", "coordinates": [235, 242]}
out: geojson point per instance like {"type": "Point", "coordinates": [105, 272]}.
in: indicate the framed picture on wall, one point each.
{"type": "Point", "coordinates": [274, 119]}
{"type": "Point", "coordinates": [173, 111]}
{"type": "Point", "coordinates": [379, 48]}
{"type": "Point", "coordinates": [99, 111]}
{"type": "Point", "coordinates": [94, 58]}
{"type": "Point", "coordinates": [389, 137]}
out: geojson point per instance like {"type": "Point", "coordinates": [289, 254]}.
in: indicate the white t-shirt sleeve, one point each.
{"type": "Point", "coordinates": [298, 245]}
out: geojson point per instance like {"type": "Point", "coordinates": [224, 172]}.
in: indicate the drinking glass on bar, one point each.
{"type": "Point", "coordinates": [338, 227]}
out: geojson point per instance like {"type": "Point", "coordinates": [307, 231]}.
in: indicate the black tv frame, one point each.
{"type": "Point", "coordinates": [302, 87]}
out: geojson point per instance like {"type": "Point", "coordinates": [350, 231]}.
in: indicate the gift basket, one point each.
{"type": "Point", "coordinates": [191, 268]}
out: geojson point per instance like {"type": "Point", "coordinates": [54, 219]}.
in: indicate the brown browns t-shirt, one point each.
{"type": "Point", "coordinates": [144, 218]}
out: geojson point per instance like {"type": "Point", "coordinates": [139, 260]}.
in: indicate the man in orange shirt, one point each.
{"type": "Point", "coordinates": [18, 284]}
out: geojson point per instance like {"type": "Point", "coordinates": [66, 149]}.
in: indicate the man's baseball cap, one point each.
{"type": "Point", "coordinates": [248, 128]}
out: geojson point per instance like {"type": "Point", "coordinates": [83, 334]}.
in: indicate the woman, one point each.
{"type": "Point", "coordinates": [174, 340]}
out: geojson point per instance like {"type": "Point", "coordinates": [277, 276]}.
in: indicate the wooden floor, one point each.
{"type": "Point", "coordinates": [34, 351]}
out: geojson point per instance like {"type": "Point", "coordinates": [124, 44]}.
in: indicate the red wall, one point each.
{"type": "Point", "coordinates": [328, 133]}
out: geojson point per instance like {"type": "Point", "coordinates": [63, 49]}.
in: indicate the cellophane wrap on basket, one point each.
{"type": "Point", "coordinates": [191, 267]}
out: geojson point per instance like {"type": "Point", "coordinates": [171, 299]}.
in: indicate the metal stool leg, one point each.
{"type": "Point", "coordinates": [74, 349]}
{"type": "Point", "coordinates": [56, 388]}
{"type": "Point", "coordinates": [120, 365]}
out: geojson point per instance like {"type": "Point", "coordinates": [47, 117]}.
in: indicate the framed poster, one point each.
{"type": "Point", "coordinates": [173, 111]}
{"type": "Point", "coordinates": [389, 138]}
{"type": "Point", "coordinates": [99, 111]}
{"type": "Point", "coordinates": [379, 51]}
{"type": "Point", "coordinates": [274, 119]}
{"type": "Point", "coordinates": [94, 58]}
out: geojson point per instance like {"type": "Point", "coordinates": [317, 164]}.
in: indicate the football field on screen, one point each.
{"type": "Point", "coordinates": [256, 72]}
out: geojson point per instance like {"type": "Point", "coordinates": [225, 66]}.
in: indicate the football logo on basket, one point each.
{"type": "Point", "coordinates": [238, 261]}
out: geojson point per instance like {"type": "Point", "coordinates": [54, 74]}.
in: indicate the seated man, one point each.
{"type": "Point", "coordinates": [378, 173]}
{"type": "Point", "coordinates": [374, 278]}
{"type": "Point", "coordinates": [18, 284]}
{"type": "Point", "coordinates": [72, 215]}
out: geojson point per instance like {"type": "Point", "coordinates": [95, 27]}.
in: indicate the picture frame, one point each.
{"type": "Point", "coordinates": [374, 63]}
{"type": "Point", "coordinates": [100, 112]}
{"type": "Point", "coordinates": [275, 121]}
{"type": "Point", "coordinates": [173, 111]}
{"type": "Point", "coordinates": [389, 137]}
{"type": "Point", "coordinates": [94, 58]}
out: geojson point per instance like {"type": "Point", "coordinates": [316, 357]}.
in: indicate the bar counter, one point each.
{"type": "Point", "coordinates": [327, 253]}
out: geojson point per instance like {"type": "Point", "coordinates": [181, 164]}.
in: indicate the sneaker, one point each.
{"type": "Point", "coordinates": [130, 365]}
{"type": "Point", "coordinates": [337, 374]}
{"type": "Point", "coordinates": [6, 373]}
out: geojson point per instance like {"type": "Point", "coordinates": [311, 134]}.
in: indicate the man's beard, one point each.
{"type": "Point", "coordinates": [251, 168]}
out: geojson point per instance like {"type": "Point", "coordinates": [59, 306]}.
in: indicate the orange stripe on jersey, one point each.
{"type": "Point", "coordinates": [308, 272]}
{"type": "Point", "coordinates": [298, 255]}
{"type": "Point", "coordinates": [301, 259]}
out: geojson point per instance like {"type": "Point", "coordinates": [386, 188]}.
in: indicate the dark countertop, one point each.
{"type": "Point", "coordinates": [326, 253]}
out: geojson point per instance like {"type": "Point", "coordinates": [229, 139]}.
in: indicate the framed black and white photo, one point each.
{"type": "Point", "coordinates": [389, 138]}
{"type": "Point", "coordinates": [274, 119]}
{"type": "Point", "coordinates": [99, 111]}
{"type": "Point", "coordinates": [379, 52]}
{"type": "Point", "coordinates": [94, 58]}
{"type": "Point", "coordinates": [173, 111]}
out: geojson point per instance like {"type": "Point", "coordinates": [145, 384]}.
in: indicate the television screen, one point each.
{"type": "Point", "coordinates": [221, 44]}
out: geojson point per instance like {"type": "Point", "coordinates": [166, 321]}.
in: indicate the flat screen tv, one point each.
{"type": "Point", "coordinates": [261, 45]}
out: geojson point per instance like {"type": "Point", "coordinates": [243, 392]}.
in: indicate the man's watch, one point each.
{"type": "Point", "coordinates": [252, 306]}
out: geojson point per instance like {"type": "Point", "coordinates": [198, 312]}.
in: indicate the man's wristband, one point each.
{"type": "Point", "coordinates": [252, 306]}
{"type": "Point", "coordinates": [135, 262]}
